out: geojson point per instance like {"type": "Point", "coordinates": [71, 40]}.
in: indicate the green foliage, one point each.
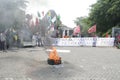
{"type": "Point", "coordinates": [84, 24]}
{"type": "Point", "coordinates": [106, 14]}
{"type": "Point", "coordinates": [58, 22]}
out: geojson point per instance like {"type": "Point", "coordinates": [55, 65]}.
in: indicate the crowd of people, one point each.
{"type": "Point", "coordinates": [117, 39]}
{"type": "Point", "coordinates": [8, 40]}
{"type": "Point", "coordinates": [37, 39]}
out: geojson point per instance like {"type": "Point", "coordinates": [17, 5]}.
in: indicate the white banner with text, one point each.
{"type": "Point", "coordinates": [86, 41]}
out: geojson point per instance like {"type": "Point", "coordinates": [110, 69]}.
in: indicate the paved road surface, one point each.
{"type": "Point", "coordinates": [82, 63]}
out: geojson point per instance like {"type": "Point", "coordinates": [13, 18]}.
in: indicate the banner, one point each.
{"type": "Point", "coordinates": [87, 41]}
{"type": "Point", "coordinates": [53, 19]}
{"type": "Point", "coordinates": [105, 42]}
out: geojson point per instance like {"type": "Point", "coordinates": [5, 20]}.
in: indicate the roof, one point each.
{"type": "Point", "coordinates": [66, 28]}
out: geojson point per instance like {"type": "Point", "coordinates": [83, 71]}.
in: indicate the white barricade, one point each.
{"type": "Point", "coordinates": [86, 41]}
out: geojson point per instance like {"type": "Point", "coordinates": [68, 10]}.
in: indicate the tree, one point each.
{"type": "Point", "coordinates": [58, 22]}
{"type": "Point", "coordinates": [83, 22]}
{"type": "Point", "coordinates": [105, 13]}
{"type": "Point", "coordinates": [12, 13]}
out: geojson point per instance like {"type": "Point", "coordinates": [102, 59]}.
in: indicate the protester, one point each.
{"type": "Point", "coordinates": [118, 38]}
{"type": "Point", "coordinates": [39, 40]}
{"type": "Point", "coordinates": [3, 42]}
{"type": "Point", "coordinates": [15, 39]}
{"type": "Point", "coordinates": [66, 36]}
{"type": "Point", "coordinates": [34, 39]}
{"type": "Point", "coordinates": [0, 44]}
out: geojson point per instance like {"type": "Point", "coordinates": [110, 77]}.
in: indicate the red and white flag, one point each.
{"type": "Point", "coordinates": [92, 29]}
{"type": "Point", "coordinates": [37, 22]}
{"type": "Point", "coordinates": [77, 30]}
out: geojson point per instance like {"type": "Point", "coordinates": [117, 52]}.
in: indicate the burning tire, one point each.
{"type": "Point", "coordinates": [53, 62]}
{"type": "Point", "coordinates": [50, 62]}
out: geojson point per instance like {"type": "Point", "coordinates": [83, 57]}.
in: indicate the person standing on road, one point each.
{"type": "Point", "coordinates": [94, 40]}
{"type": "Point", "coordinates": [3, 41]}
{"type": "Point", "coordinates": [0, 44]}
{"type": "Point", "coordinates": [34, 39]}
{"type": "Point", "coordinates": [15, 37]}
{"type": "Point", "coordinates": [39, 40]}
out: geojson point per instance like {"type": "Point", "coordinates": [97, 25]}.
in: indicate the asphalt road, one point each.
{"type": "Point", "coordinates": [82, 63]}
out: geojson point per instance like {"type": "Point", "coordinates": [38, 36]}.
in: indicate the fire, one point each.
{"type": "Point", "coordinates": [54, 57]}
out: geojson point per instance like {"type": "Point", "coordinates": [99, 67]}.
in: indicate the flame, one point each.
{"type": "Point", "coordinates": [54, 55]}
